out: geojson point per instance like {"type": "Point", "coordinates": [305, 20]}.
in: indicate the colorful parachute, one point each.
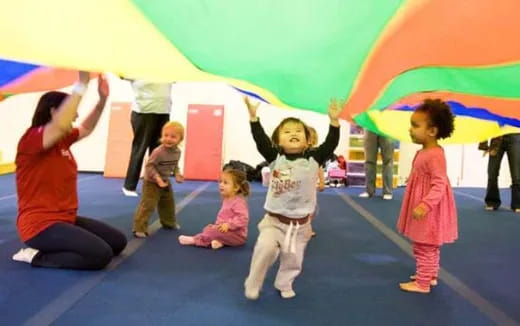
{"type": "Point", "coordinates": [381, 55]}
{"type": "Point", "coordinates": [18, 77]}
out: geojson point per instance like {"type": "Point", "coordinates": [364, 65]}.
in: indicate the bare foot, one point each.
{"type": "Point", "coordinates": [413, 287]}
{"type": "Point", "coordinates": [186, 240]}
{"type": "Point", "coordinates": [140, 235]}
{"type": "Point", "coordinates": [215, 244]}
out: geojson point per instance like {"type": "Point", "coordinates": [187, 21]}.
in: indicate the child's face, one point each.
{"type": "Point", "coordinates": [291, 137]}
{"type": "Point", "coordinates": [171, 137]}
{"type": "Point", "coordinates": [227, 186]}
{"type": "Point", "coordinates": [420, 130]}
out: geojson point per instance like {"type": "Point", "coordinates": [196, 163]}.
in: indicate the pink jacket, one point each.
{"type": "Point", "coordinates": [428, 183]}
{"type": "Point", "coordinates": [235, 212]}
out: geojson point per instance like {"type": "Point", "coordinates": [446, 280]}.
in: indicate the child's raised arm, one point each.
{"type": "Point", "coordinates": [263, 143]}
{"type": "Point", "coordinates": [327, 148]}
{"type": "Point", "coordinates": [252, 109]}
{"type": "Point", "coordinates": [335, 108]}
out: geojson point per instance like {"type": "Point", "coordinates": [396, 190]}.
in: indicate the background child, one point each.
{"type": "Point", "coordinates": [291, 198]}
{"type": "Point", "coordinates": [428, 214]}
{"type": "Point", "coordinates": [313, 142]}
{"type": "Point", "coordinates": [230, 228]}
{"type": "Point", "coordinates": [157, 190]}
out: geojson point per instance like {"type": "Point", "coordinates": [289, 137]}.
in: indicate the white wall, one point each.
{"type": "Point", "coordinates": [466, 166]}
{"type": "Point", "coordinates": [17, 111]}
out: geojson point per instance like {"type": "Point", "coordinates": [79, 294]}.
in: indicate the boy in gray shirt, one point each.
{"type": "Point", "coordinates": [157, 190]}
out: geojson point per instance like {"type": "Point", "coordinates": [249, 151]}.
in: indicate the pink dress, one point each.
{"type": "Point", "coordinates": [235, 212]}
{"type": "Point", "coordinates": [428, 183]}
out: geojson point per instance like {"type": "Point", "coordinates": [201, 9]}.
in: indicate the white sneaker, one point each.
{"type": "Point", "coordinates": [129, 193]}
{"type": "Point", "coordinates": [25, 255]}
{"type": "Point", "coordinates": [288, 294]}
{"type": "Point", "coordinates": [387, 197]}
{"type": "Point", "coordinates": [364, 195]}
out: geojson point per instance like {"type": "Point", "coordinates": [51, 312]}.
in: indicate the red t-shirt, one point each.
{"type": "Point", "coordinates": [45, 182]}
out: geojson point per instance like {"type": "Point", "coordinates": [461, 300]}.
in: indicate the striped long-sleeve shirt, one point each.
{"type": "Point", "coordinates": [162, 162]}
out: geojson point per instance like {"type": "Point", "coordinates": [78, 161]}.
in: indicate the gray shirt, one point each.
{"type": "Point", "coordinates": [162, 162]}
{"type": "Point", "coordinates": [292, 186]}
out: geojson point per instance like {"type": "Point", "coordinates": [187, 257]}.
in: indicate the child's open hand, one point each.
{"type": "Point", "coordinates": [161, 183]}
{"type": "Point", "coordinates": [251, 108]}
{"type": "Point", "coordinates": [224, 227]}
{"type": "Point", "coordinates": [420, 211]}
{"type": "Point", "coordinates": [335, 108]}
{"type": "Point", "coordinates": [179, 178]}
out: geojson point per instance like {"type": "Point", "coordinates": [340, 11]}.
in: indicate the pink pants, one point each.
{"type": "Point", "coordinates": [427, 263]}
{"type": "Point", "coordinates": [210, 233]}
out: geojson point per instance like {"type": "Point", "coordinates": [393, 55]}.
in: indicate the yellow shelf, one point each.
{"type": "Point", "coordinates": [7, 168]}
{"type": "Point", "coordinates": [358, 154]}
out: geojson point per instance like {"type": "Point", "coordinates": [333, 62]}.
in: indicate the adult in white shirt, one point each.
{"type": "Point", "coordinates": [150, 111]}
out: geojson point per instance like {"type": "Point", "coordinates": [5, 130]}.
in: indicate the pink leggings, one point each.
{"type": "Point", "coordinates": [427, 263]}
{"type": "Point", "coordinates": [210, 233]}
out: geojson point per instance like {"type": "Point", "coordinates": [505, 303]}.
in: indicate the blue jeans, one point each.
{"type": "Point", "coordinates": [510, 145]}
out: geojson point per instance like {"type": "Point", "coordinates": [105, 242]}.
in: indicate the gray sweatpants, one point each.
{"type": "Point", "coordinates": [372, 142]}
{"type": "Point", "coordinates": [271, 243]}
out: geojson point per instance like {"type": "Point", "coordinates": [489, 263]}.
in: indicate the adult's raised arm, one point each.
{"type": "Point", "coordinates": [65, 114]}
{"type": "Point", "coordinates": [89, 123]}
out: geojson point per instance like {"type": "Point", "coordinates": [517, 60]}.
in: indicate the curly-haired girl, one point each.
{"type": "Point", "coordinates": [428, 213]}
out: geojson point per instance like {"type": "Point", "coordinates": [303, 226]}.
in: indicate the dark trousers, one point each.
{"type": "Point", "coordinates": [88, 244]}
{"type": "Point", "coordinates": [510, 145]}
{"type": "Point", "coordinates": [153, 197]}
{"type": "Point", "coordinates": [147, 132]}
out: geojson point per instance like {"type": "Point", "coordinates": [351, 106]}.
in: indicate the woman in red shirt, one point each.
{"type": "Point", "coordinates": [46, 177]}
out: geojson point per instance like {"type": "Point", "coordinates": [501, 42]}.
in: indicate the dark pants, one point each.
{"type": "Point", "coordinates": [510, 145]}
{"type": "Point", "coordinates": [88, 244]}
{"type": "Point", "coordinates": [154, 196]}
{"type": "Point", "coordinates": [147, 132]}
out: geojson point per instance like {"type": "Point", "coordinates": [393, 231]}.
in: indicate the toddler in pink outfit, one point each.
{"type": "Point", "coordinates": [428, 213]}
{"type": "Point", "coordinates": [230, 228]}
